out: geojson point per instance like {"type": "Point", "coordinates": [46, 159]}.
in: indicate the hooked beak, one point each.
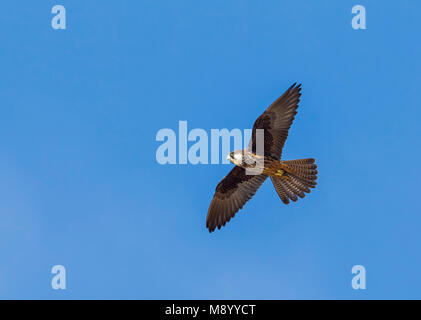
{"type": "Point", "coordinates": [228, 158]}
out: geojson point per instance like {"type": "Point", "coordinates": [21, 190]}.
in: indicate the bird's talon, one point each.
{"type": "Point", "coordinates": [279, 173]}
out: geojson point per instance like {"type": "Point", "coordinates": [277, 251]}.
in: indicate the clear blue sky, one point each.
{"type": "Point", "coordinates": [80, 186]}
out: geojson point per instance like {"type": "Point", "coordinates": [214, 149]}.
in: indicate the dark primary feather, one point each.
{"type": "Point", "coordinates": [230, 195]}
{"type": "Point", "coordinates": [276, 121]}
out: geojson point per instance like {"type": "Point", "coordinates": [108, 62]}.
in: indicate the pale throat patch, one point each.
{"type": "Point", "coordinates": [238, 157]}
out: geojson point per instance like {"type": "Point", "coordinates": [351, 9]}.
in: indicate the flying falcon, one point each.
{"type": "Point", "coordinates": [291, 178]}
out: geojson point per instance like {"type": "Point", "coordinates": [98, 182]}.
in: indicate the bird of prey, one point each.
{"type": "Point", "coordinates": [291, 178]}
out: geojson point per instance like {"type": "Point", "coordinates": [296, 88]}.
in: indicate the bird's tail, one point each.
{"type": "Point", "coordinates": [295, 178]}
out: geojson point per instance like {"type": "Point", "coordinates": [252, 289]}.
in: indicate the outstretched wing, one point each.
{"type": "Point", "coordinates": [230, 195]}
{"type": "Point", "coordinates": [276, 121]}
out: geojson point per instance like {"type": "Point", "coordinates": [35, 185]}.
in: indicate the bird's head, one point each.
{"type": "Point", "coordinates": [236, 157]}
